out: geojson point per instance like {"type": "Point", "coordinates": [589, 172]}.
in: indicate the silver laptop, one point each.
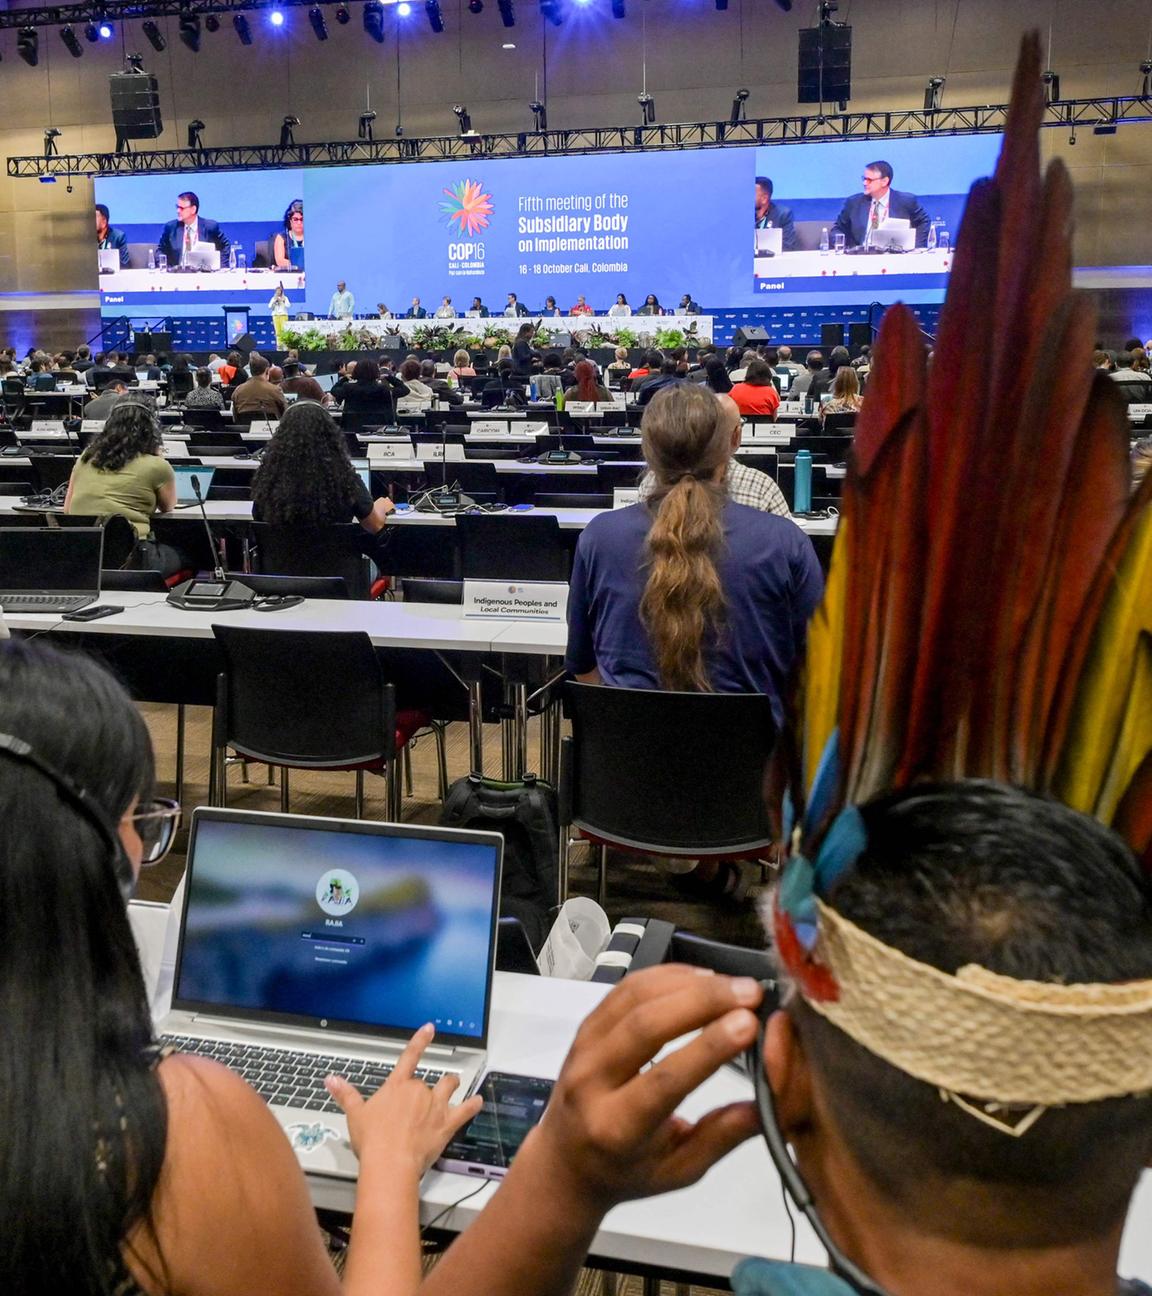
{"type": "Point", "coordinates": [185, 494]}
{"type": "Point", "coordinates": [769, 242]}
{"type": "Point", "coordinates": [204, 256]}
{"type": "Point", "coordinates": [894, 235]}
{"type": "Point", "coordinates": [49, 569]}
{"type": "Point", "coordinates": [109, 260]}
{"type": "Point", "coordinates": [311, 946]}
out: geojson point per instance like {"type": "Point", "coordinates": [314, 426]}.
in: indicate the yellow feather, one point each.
{"type": "Point", "coordinates": [1111, 725]}
{"type": "Point", "coordinates": [823, 659]}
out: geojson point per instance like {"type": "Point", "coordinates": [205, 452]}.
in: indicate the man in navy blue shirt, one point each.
{"type": "Point", "coordinates": [768, 573]}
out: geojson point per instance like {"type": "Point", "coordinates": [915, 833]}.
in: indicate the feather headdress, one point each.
{"type": "Point", "coordinates": [988, 612]}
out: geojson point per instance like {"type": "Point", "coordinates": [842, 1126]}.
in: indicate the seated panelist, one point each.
{"type": "Point", "coordinates": [190, 228]}
{"type": "Point", "coordinates": [867, 211]}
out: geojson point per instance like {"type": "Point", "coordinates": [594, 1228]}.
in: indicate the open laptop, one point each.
{"type": "Point", "coordinates": [364, 471]}
{"type": "Point", "coordinates": [893, 235]}
{"type": "Point", "coordinates": [204, 256]}
{"type": "Point", "coordinates": [49, 569]}
{"type": "Point", "coordinates": [769, 242]}
{"type": "Point", "coordinates": [109, 260]}
{"type": "Point", "coordinates": [185, 495]}
{"type": "Point", "coordinates": [310, 946]}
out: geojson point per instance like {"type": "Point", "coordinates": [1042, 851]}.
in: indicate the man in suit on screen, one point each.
{"type": "Point", "coordinates": [770, 215]}
{"type": "Point", "coordinates": [190, 228]}
{"type": "Point", "coordinates": [866, 211]}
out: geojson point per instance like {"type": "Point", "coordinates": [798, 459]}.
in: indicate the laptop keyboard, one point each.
{"type": "Point", "coordinates": [43, 602]}
{"type": "Point", "coordinates": [288, 1077]}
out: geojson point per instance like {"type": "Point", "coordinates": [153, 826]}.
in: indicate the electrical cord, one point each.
{"type": "Point", "coordinates": [450, 1208]}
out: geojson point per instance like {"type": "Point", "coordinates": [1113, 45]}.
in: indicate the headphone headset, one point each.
{"type": "Point", "coordinates": [82, 803]}
{"type": "Point", "coordinates": [788, 1170]}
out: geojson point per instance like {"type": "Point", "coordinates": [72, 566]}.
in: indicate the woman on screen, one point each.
{"type": "Point", "coordinates": [150, 1170]}
{"type": "Point", "coordinates": [620, 307]}
{"type": "Point", "coordinates": [123, 472]}
{"type": "Point", "coordinates": [651, 306]}
{"type": "Point", "coordinates": [288, 242]}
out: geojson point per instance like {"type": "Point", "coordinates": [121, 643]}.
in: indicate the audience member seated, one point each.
{"type": "Point", "coordinates": [181, 379]}
{"type": "Point", "coordinates": [922, 1190]}
{"type": "Point", "coordinates": [99, 407]}
{"type": "Point", "coordinates": [650, 363]}
{"type": "Point", "coordinates": [410, 376]}
{"type": "Point", "coordinates": [814, 381]}
{"type": "Point", "coordinates": [846, 398]}
{"type": "Point", "coordinates": [461, 366]}
{"type": "Point", "coordinates": [620, 362]}
{"type": "Point", "coordinates": [366, 398]}
{"type": "Point", "coordinates": [152, 1171]}
{"type": "Point", "coordinates": [204, 395]}
{"type": "Point", "coordinates": [741, 370]}
{"type": "Point", "coordinates": [504, 389]}
{"type": "Point", "coordinates": [588, 385]}
{"type": "Point", "coordinates": [690, 590]}
{"type": "Point", "coordinates": [657, 379]}
{"type": "Point", "coordinates": [441, 388]}
{"type": "Point", "coordinates": [757, 395]}
{"type": "Point", "coordinates": [233, 371]}
{"type": "Point", "coordinates": [716, 376]}
{"type": "Point", "coordinates": [39, 379]}
{"type": "Point", "coordinates": [550, 380]}
{"type": "Point", "coordinates": [307, 479]}
{"type": "Point", "coordinates": [122, 471]}
{"type": "Point", "coordinates": [258, 395]}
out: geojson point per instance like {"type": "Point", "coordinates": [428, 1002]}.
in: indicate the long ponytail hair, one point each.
{"type": "Point", "coordinates": [686, 442]}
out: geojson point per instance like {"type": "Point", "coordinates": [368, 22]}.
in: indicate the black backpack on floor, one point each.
{"type": "Point", "coordinates": [524, 813]}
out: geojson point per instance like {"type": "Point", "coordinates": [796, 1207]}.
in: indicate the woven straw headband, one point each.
{"type": "Point", "coordinates": [984, 1036]}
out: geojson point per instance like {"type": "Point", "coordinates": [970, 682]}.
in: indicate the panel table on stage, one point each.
{"type": "Point", "coordinates": [645, 327]}
{"type": "Point", "coordinates": [202, 281]}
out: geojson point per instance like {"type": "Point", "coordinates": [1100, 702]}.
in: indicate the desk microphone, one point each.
{"type": "Point", "coordinates": [445, 498]}
{"type": "Point", "coordinates": [219, 594]}
{"type": "Point", "coordinates": [561, 455]}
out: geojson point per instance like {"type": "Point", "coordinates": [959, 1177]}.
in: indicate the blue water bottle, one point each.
{"type": "Point", "coordinates": [802, 493]}
{"type": "Point", "coordinates": [532, 389]}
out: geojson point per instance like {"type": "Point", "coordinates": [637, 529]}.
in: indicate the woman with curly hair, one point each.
{"type": "Point", "coordinates": [307, 479]}
{"type": "Point", "coordinates": [122, 471]}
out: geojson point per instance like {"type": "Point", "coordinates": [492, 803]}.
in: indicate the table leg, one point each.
{"type": "Point", "coordinates": [475, 728]}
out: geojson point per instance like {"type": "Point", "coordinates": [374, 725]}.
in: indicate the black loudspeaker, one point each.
{"type": "Point", "coordinates": [859, 335]}
{"type": "Point", "coordinates": [391, 342]}
{"type": "Point", "coordinates": [831, 335]}
{"type": "Point", "coordinates": [245, 344]}
{"type": "Point", "coordinates": [750, 335]}
{"type": "Point", "coordinates": [825, 70]}
{"type": "Point", "coordinates": [135, 105]}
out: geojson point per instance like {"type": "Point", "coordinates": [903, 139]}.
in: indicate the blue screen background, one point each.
{"type": "Point", "coordinates": [256, 938]}
{"type": "Point", "coordinates": [383, 229]}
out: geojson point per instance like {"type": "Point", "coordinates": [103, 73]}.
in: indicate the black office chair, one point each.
{"type": "Point", "coordinates": [513, 948]}
{"type": "Point", "coordinates": [422, 589]}
{"type": "Point", "coordinates": [225, 440]}
{"type": "Point", "coordinates": [572, 499]}
{"type": "Point", "coordinates": [839, 424]}
{"type": "Point", "coordinates": [132, 581]}
{"type": "Point", "coordinates": [119, 534]}
{"type": "Point", "coordinates": [313, 587]}
{"type": "Point", "coordinates": [203, 418]}
{"type": "Point", "coordinates": [313, 700]}
{"type": "Point", "coordinates": [676, 774]}
{"type": "Point", "coordinates": [480, 480]}
{"type": "Point", "coordinates": [614, 476]}
{"type": "Point", "coordinates": [497, 547]}
{"type": "Point", "coordinates": [314, 551]}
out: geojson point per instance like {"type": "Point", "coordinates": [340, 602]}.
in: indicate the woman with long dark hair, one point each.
{"type": "Point", "coordinates": [127, 1169]}
{"type": "Point", "coordinates": [687, 590]}
{"type": "Point", "coordinates": [523, 352]}
{"type": "Point", "coordinates": [307, 479]}
{"type": "Point", "coordinates": [716, 375]}
{"type": "Point", "coordinates": [288, 241]}
{"type": "Point", "coordinates": [122, 471]}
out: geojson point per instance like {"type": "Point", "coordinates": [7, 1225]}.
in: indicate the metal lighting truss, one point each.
{"type": "Point", "coordinates": [1099, 114]}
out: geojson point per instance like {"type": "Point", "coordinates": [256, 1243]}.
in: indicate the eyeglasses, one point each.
{"type": "Point", "coordinates": [156, 822]}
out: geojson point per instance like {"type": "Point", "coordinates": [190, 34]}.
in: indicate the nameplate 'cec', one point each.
{"type": "Point", "coordinates": [516, 601]}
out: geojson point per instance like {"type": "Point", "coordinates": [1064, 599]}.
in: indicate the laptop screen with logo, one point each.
{"type": "Point", "coordinates": [63, 560]}
{"type": "Point", "coordinates": [367, 927]}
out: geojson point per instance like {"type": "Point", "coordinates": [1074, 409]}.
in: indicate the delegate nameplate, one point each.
{"type": "Point", "coordinates": [516, 601]}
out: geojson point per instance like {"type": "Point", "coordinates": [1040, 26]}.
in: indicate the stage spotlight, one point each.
{"type": "Point", "coordinates": [507, 12]}
{"type": "Point", "coordinates": [194, 129]}
{"type": "Point", "coordinates": [435, 17]}
{"type": "Point", "coordinates": [364, 130]}
{"type": "Point", "coordinates": [647, 108]}
{"type": "Point", "coordinates": [71, 42]}
{"type": "Point", "coordinates": [476, 6]}
{"type": "Point", "coordinates": [104, 30]}
{"type": "Point", "coordinates": [243, 28]}
{"type": "Point", "coordinates": [1146, 87]}
{"type": "Point", "coordinates": [343, 17]}
{"type": "Point", "coordinates": [539, 115]}
{"type": "Point", "coordinates": [51, 135]}
{"type": "Point", "coordinates": [190, 31]}
{"type": "Point", "coordinates": [212, 23]}
{"type": "Point", "coordinates": [155, 35]}
{"type": "Point", "coordinates": [91, 33]}
{"type": "Point", "coordinates": [276, 18]}
{"type": "Point", "coordinates": [739, 111]}
{"type": "Point", "coordinates": [374, 20]}
{"type": "Point", "coordinates": [786, 5]}
{"type": "Point", "coordinates": [287, 139]}
{"type": "Point", "coordinates": [933, 93]}
{"type": "Point", "coordinates": [28, 45]}
{"type": "Point", "coordinates": [404, 9]}
{"type": "Point", "coordinates": [553, 10]}
{"type": "Point", "coordinates": [319, 26]}
{"type": "Point", "coordinates": [134, 63]}
{"type": "Point", "coordinates": [1051, 85]}
{"type": "Point", "coordinates": [463, 118]}
{"type": "Point", "coordinates": [618, 8]}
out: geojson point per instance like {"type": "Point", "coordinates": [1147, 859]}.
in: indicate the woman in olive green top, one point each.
{"type": "Point", "coordinates": [123, 472]}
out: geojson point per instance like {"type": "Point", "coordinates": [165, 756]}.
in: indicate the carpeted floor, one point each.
{"type": "Point", "coordinates": [636, 885]}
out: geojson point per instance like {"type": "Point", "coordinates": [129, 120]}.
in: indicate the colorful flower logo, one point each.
{"type": "Point", "coordinates": [468, 207]}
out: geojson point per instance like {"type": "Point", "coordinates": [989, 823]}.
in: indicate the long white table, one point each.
{"type": "Point", "coordinates": [817, 265]}
{"type": "Point", "coordinates": [645, 327]}
{"type": "Point", "coordinates": [205, 281]}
